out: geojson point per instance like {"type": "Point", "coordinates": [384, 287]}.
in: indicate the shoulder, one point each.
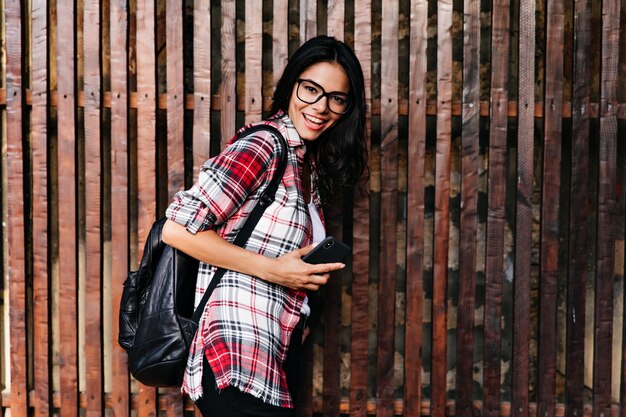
{"type": "Point", "coordinates": [268, 136]}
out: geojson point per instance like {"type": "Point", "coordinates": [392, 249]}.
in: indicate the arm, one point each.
{"type": "Point", "coordinates": [287, 270]}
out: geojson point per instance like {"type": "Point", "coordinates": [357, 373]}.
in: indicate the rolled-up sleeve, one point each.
{"type": "Point", "coordinates": [224, 183]}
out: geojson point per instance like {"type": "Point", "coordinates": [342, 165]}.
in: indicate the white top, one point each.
{"type": "Point", "coordinates": [319, 233]}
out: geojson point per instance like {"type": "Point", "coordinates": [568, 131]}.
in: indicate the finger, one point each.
{"type": "Point", "coordinates": [305, 333]}
{"type": "Point", "coordinates": [326, 268]}
{"type": "Point", "coordinates": [303, 251]}
{"type": "Point", "coordinates": [319, 280]}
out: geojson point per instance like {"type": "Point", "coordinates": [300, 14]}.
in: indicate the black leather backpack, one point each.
{"type": "Point", "coordinates": [157, 321]}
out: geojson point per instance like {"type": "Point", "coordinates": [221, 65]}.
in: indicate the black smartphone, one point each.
{"type": "Point", "coordinates": [328, 250]}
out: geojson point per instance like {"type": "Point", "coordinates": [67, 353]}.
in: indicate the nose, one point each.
{"type": "Point", "coordinates": [321, 105]}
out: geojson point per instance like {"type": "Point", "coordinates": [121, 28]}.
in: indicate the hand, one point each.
{"type": "Point", "coordinates": [305, 333]}
{"type": "Point", "coordinates": [291, 271]}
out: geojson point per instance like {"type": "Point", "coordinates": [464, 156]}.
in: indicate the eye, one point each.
{"type": "Point", "coordinates": [310, 88]}
{"type": "Point", "coordinates": [339, 99]}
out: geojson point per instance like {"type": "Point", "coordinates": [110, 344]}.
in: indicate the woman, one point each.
{"type": "Point", "coordinates": [237, 363]}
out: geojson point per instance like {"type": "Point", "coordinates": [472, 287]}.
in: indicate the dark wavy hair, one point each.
{"type": "Point", "coordinates": [341, 152]}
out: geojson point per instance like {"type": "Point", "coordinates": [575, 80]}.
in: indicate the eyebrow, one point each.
{"type": "Point", "coordinates": [322, 87]}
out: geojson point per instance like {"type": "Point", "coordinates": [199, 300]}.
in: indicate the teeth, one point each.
{"type": "Point", "coordinates": [313, 119]}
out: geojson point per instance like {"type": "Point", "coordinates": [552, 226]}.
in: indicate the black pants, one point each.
{"type": "Point", "coordinates": [231, 402]}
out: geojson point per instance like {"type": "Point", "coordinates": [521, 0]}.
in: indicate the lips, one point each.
{"type": "Point", "coordinates": [312, 122]}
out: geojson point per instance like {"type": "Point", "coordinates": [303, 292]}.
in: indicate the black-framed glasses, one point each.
{"type": "Point", "coordinates": [311, 92]}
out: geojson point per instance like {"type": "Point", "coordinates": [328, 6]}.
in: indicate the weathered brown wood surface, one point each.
{"type": "Point", "coordinates": [146, 119]}
{"type": "Point", "coordinates": [93, 208]}
{"type": "Point", "coordinates": [469, 212]}
{"type": "Point", "coordinates": [331, 393]}
{"type": "Point", "coordinates": [415, 235]}
{"type": "Point", "coordinates": [308, 20]}
{"type": "Point", "coordinates": [254, 50]}
{"type": "Point", "coordinates": [175, 98]}
{"type": "Point", "coordinates": [39, 146]}
{"type": "Point", "coordinates": [500, 123]}
{"type": "Point", "coordinates": [336, 13]}
{"type": "Point", "coordinates": [578, 211]}
{"type": "Point", "coordinates": [15, 229]}
{"type": "Point", "coordinates": [388, 206]}
{"type": "Point", "coordinates": [403, 105]}
{"type": "Point", "coordinates": [442, 208]}
{"type": "Point", "coordinates": [119, 23]}
{"type": "Point", "coordinates": [620, 240]}
{"type": "Point", "coordinates": [605, 244]}
{"type": "Point", "coordinates": [305, 401]}
{"type": "Point", "coordinates": [146, 149]}
{"type": "Point", "coordinates": [361, 231]}
{"type": "Point", "coordinates": [523, 215]}
{"type": "Point", "coordinates": [280, 38]}
{"type": "Point", "coordinates": [201, 84]}
{"type": "Point", "coordinates": [175, 140]}
{"type": "Point", "coordinates": [546, 384]}
{"type": "Point", "coordinates": [67, 218]}
{"type": "Point", "coordinates": [227, 86]}
{"type": "Point", "coordinates": [496, 212]}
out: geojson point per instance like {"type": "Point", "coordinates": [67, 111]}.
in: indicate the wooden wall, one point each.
{"type": "Point", "coordinates": [487, 275]}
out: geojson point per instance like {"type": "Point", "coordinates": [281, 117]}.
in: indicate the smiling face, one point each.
{"type": "Point", "coordinates": [311, 120]}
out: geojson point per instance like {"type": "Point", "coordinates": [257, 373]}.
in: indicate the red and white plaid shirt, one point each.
{"type": "Point", "coordinates": [247, 324]}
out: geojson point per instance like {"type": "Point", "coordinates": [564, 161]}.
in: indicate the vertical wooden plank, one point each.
{"type": "Point", "coordinates": [93, 260]}
{"type": "Point", "coordinates": [175, 98]}
{"type": "Point", "coordinates": [553, 109]}
{"type": "Point", "coordinates": [79, 33]}
{"type": "Point", "coordinates": [308, 20]}
{"type": "Point", "coordinates": [494, 267]}
{"type": "Point", "coordinates": [605, 247]}
{"type": "Point", "coordinates": [331, 391]}
{"type": "Point", "coordinates": [119, 197]}
{"type": "Point", "coordinates": [280, 37]}
{"type": "Point", "coordinates": [525, 147]}
{"type": "Point", "coordinates": [254, 50]}
{"type": "Point", "coordinates": [201, 83]}
{"type": "Point", "coordinates": [415, 212]}
{"type": "Point", "coordinates": [361, 230]}
{"type": "Point", "coordinates": [332, 331]}
{"type": "Point", "coordinates": [336, 17]}
{"type": "Point", "coordinates": [469, 208]}
{"type": "Point", "coordinates": [16, 248]}
{"type": "Point", "coordinates": [172, 397]}
{"type": "Point", "coordinates": [66, 110]}
{"type": "Point", "coordinates": [389, 200]}
{"type": "Point", "coordinates": [331, 396]}
{"type": "Point", "coordinates": [146, 150]}
{"type": "Point", "coordinates": [227, 87]}
{"type": "Point", "coordinates": [442, 204]}
{"type": "Point", "coordinates": [622, 370]}
{"type": "Point", "coordinates": [146, 117]}
{"type": "Point", "coordinates": [53, 188]}
{"type": "Point", "coordinates": [579, 211]}
{"type": "Point", "coordinates": [304, 407]}
{"type": "Point", "coordinates": [39, 146]}
{"type": "Point", "coordinates": [621, 175]}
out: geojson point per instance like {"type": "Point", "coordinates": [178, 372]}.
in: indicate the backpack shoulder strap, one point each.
{"type": "Point", "coordinates": [270, 192]}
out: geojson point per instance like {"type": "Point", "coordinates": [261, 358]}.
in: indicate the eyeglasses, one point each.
{"type": "Point", "coordinates": [311, 92]}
